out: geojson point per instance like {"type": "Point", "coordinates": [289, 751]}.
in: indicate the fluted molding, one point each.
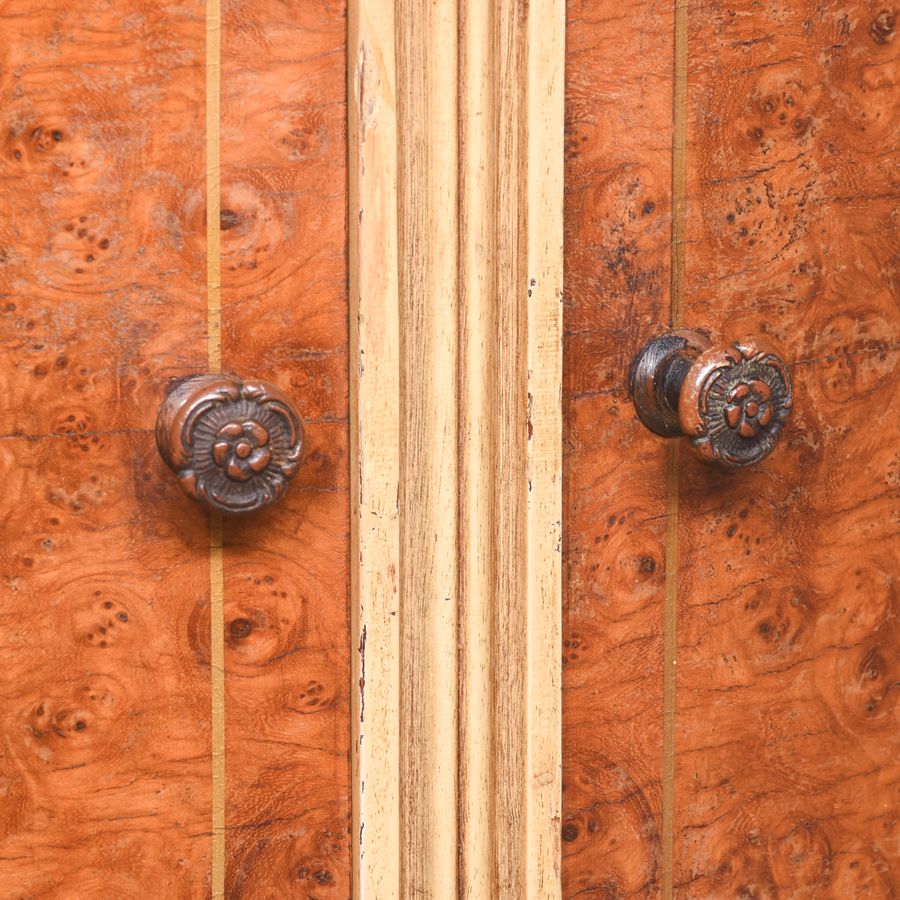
{"type": "Point", "coordinates": [456, 154]}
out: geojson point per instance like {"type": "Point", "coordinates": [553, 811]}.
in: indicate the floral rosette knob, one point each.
{"type": "Point", "coordinates": [735, 402]}
{"type": "Point", "coordinates": [730, 398]}
{"type": "Point", "coordinates": [234, 444]}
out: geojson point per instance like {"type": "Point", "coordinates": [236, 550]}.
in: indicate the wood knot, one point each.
{"type": "Point", "coordinates": [882, 27]}
{"type": "Point", "coordinates": [240, 628]}
{"type": "Point", "coordinates": [311, 698]}
{"type": "Point", "coordinates": [228, 218]}
{"type": "Point", "coordinates": [319, 876]}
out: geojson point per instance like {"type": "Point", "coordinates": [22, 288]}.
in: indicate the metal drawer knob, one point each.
{"type": "Point", "coordinates": [234, 444]}
{"type": "Point", "coordinates": [730, 399]}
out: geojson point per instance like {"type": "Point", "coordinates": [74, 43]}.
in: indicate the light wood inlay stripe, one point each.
{"type": "Point", "coordinates": [213, 185]}
{"type": "Point", "coordinates": [670, 624]}
{"type": "Point", "coordinates": [679, 160]}
{"type": "Point", "coordinates": [214, 352]}
{"type": "Point", "coordinates": [217, 668]}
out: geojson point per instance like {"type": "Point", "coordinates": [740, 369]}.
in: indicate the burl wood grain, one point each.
{"type": "Point", "coordinates": [616, 288]}
{"type": "Point", "coordinates": [787, 750]}
{"type": "Point", "coordinates": [787, 743]}
{"type": "Point", "coordinates": [285, 320]}
{"type": "Point", "coordinates": [104, 725]}
{"type": "Point", "coordinates": [105, 757]}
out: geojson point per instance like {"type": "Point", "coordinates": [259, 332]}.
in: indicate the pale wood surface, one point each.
{"type": "Point", "coordinates": [541, 295]}
{"type": "Point", "coordinates": [459, 355]}
{"type": "Point", "coordinates": [374, 449]}
{"type": "Point", "coordinates": [426, 40]}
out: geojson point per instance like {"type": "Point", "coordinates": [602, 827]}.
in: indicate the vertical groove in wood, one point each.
{"type": "Point", "coordinates": [462, 111]}
{"type": "Point", "coordinates": [427, 41]}
{"type": "Point", "coordinates": [478, 442]}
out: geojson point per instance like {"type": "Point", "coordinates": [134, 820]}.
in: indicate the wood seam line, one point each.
{"type": "Point", "coordinates": [676, 303]}
{"type": "Point", "coordinates": [214, 360]}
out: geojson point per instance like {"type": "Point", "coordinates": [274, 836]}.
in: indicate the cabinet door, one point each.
{"type": "Point", "coordinates": [731, 644]}
{"type": "Point", "coordinates": [173, 202]}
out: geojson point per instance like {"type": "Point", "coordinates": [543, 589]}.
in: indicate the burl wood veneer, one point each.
{"type": "Point", "coordinates": [105, 750]}
{"type": "Point", "coordinates": [105, 757]}
{"type": "Point", "coordinates": [785, 756]}
{"type": "Point", "coordinates": [285, 320]}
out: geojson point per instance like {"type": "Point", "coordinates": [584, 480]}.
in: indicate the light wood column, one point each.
{"type": "Point", "coordinates": [456, 152]}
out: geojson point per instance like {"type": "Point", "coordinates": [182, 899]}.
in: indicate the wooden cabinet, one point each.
{"type": "Point", "coordinates": [497, 639]}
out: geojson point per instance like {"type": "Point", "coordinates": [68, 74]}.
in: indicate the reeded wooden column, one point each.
{"type": "Point", "coordinates": [456, 151]}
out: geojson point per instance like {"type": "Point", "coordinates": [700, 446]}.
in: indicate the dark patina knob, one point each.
{"type": "Point", "coordinates": [234, 444]}
{"type": "Point", "coordinates": [730, 399]}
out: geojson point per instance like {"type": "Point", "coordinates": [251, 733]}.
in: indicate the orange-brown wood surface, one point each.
{"type": "Point", "coordinates": [105, 757]}
{"type": "Point", "coordinates": [618, 137]}
{"type": "Point", "coordinates": [285, 319]}
{"type": "Point", "coordinates": [786, 743]}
